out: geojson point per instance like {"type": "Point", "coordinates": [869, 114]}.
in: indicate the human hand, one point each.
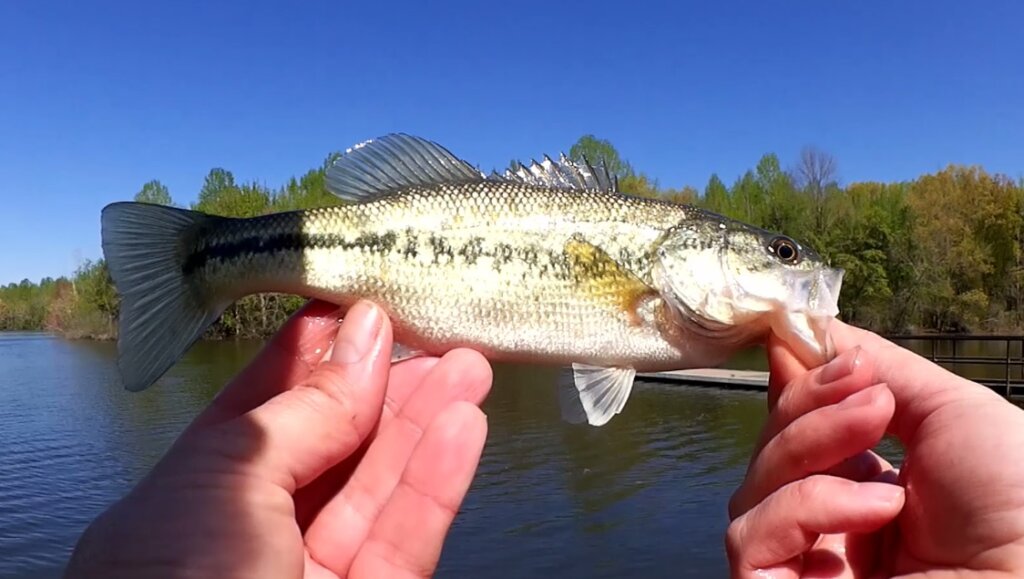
{"type": "Point", "coordinates": [804, 511]}
{"type": "Point", "coordinates": [319, 459]}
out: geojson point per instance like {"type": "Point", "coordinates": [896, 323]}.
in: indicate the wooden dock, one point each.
{"type": "Point", "coordinates": [1001, 371]}
{"type": "Point", "coordinates": [711, 377]}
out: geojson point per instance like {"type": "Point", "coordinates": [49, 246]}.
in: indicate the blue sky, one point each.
{"type": "Point", "coordinates": [98, 97]}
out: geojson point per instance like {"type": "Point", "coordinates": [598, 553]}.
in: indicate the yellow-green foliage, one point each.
{"type": "Point", "coordinates": [940, 252]}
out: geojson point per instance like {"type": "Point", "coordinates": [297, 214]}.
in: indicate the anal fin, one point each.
{"type": "Point", "coordinates": [596, 395]}
{"type": "Point", "coordinates": [401, 352]}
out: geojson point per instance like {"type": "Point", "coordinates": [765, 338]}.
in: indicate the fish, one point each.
{"type": "Point", "coordinates": [547, 263]}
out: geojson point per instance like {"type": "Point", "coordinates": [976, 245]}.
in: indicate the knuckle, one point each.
{"type": "Point", "coordinates": [335, 409]}
{"type": "Point", "coordinates": [328, 381]}
{"type": "Point", "coordinates": [810, 490]}
{"type": "Point", "coordinates": [797, 400]}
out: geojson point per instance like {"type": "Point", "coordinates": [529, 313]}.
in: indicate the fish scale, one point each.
{"type": "Point", "coordinates": [547, 264]}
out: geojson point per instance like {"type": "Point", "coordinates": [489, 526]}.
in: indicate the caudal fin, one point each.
{"type": "Point", "coordinates": [162, 311]}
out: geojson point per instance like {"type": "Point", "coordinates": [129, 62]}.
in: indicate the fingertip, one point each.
{"type": "Point", "coordinates": [474, 420]}
{"type": "Point", "coordinates": [459, 419]}
{"type": "Point", "coordinates": [877, 397]}
{"type": "Point", "coordinates": [365, 331]}
{"type": "Point", "coordinates": [472, 362]}
{"type": "Point", "coordinates": [882, 495]}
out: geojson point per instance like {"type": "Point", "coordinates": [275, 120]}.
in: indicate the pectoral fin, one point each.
{"type": "Point", "coordinates": [596, 395]}
{"type": "Point", "coordinates": [603, 279]}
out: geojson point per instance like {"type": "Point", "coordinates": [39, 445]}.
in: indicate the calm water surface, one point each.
{"type": "Point", "coordinates": [643, 496]}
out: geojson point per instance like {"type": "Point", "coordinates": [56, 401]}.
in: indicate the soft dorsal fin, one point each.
{"type": "Point", "coordinates": [392, 162]}
{"type": "Point", "coordinates": [397, 161]}
{"type": "Point", "coordinates": [564, 174]}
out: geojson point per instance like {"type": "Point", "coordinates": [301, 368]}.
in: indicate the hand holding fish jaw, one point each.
{"type": "Point", "coordinates": [346, 467]}
{"type": "Point", "coordinates": [817, 502]}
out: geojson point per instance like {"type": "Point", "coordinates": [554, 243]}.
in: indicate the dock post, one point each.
{"type": "Point", "coordinates": [1008, 347]}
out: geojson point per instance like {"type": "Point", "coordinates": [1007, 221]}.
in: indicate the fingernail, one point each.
{"type": "Point", "coordinates": [358, 333]}
{"type": "Point", "coordinates": [841, 366]}
{"type": "Point", "coordinates": [863, 398]}
{"type": "Point", "coordinates": [880, 493]}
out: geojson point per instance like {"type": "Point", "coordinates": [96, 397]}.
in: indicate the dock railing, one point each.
{"type": "Point", "coordinates": [993, 360]}
{"type": "Point", "coordinates": [948, 350]}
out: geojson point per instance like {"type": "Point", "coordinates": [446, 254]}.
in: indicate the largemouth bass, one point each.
{"type": "Point", "coordinates": [547, 264]}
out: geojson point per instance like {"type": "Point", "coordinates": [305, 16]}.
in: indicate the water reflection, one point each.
{"type": "Point", "coordinates": [644, 495]}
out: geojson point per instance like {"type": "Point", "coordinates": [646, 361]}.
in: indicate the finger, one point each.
{"type": "Point", "coordinates": [343, 524]}
{"type": "Point", "coordinates": [318, 422]}
{"type": "Point", "coordinates": [288, 358]}
{"type": "Point", "coordinates": [766, 541]}
{"type": "Point", "coordinates": [785, 368]}
{"type": "Point", "coordinates": [403, 380]}
{"type": "Point", "coordinates": [847, 374]}
{"type": "Point", "coordinates": [843, 556]}
{"type": "Point", "coordinates": [814, 443]}
{"type": "Point", "coordinates": [407, 537]}
{"type": "Point", "coordinates": [863, 466]}
{"type": "Point", "coordinates": [919, 386]}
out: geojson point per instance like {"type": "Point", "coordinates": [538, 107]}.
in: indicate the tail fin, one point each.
{"type": "Point", "coordinates": [162, 312]}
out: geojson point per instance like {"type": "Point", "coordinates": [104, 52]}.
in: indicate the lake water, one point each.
{"type": "Point", "coordinates": [644, 495]}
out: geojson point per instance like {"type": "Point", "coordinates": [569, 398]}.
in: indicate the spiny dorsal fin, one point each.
{"type": "Point", "coordinates": [563, 174]}
{"type": "Point", "coordinates": [392, 162]}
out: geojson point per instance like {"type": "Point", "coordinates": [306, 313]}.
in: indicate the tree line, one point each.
{"type": "Point", "coordinates": [939, 252]}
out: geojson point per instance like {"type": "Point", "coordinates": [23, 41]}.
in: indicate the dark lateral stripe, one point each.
{"type": "Point", "coordinates": [259, 245]}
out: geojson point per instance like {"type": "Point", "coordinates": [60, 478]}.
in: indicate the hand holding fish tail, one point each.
{"type": "Point", "coordinates": [818, 502]}
{"type": "Point", "coordinates": [314, 462]}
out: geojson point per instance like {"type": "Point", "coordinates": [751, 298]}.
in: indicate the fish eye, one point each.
{"type": "Point", "coordinates": [785, 249]}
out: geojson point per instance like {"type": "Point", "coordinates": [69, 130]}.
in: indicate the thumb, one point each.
{"type": "Point", "coordinates": [919, 386]}
{"type": "Point", "coordinates": [316, 423]}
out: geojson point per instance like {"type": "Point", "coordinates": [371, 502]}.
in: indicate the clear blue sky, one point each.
{"type": "Point", "coordinates": [98, 97]}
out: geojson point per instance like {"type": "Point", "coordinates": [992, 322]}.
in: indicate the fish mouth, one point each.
{"type": "Point", "coordinates": [817, 295]}
{"type": "Point", "coordinates": [814, 303]}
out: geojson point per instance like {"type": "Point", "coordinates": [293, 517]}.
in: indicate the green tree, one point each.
{"type": "Point", "coordinates": [943, 251]}
{"type": "Point", "coordinates": [218, 183]}
{"type": "Point", "coordinates": [716, 196]}
{"type": "Point", "coordinates": [967, 225]}
{"type": "Point", "coordinates": [221, 196]}
{"type": "Point", "coordinates": [686, 196]}
{"type": "Point", "coordinates": [639, 185]}
{"type": "Point", "coordinates": [600, 151]}
{"type": "Point", "coordinates": [154, 192]}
